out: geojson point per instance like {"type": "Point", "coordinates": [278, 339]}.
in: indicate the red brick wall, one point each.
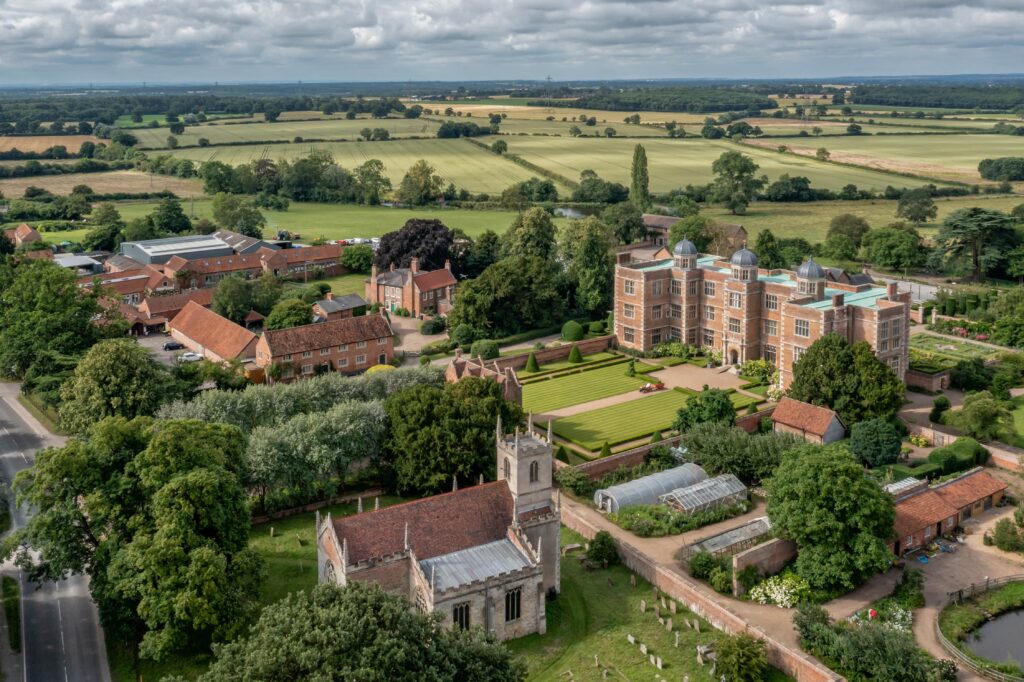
{"type": "Point", "coordinates": [752, 422]}
{"type": "Point", "coordinates": [769, 557]}
{"type": "Point", "coordinates": [586, 347]}
{"type": "Point", "coordinates": [929, 382]}
{"type": "Point", "coordinates": [705, 604]}
{"type": "Point", "coordinates": [630, 458]}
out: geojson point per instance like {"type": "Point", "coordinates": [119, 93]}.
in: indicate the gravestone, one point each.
{"type": "Point", "coordinates": [631, 638]}
{"type": "Point", "coordinates": [677, 640]}
{"type": "Point", "coordinates": [597, 663]}
{"type": "Point", "coordinates": [632, 579]}
{"type": "Point", "coordinates": [661, 621]}
{"type": "Point", "coordinates": [668, 625]}
{"type": "Point", "coordinates": [672, 605]}
{"type": "Point", "coordinates": [643, 648]}
{"type": "Point", "coordinates": [652, 659]}
{"type": "Point", "coordinates": [643, 606]}
{"type": "Point", "coordinates": [658, 662]}
{"type": "Point", "coordinates": [657, 610]}
{"type": "Point", "coordinates": [663, 604]}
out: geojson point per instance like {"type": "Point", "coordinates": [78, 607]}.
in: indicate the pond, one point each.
{"type": "Point", "coordinates": [1000, 639]}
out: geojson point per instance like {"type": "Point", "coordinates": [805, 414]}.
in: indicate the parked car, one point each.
{"type": "Point", "coordinates": [172, 345]}
{"type": "Point", "coordinates": [190, 357]}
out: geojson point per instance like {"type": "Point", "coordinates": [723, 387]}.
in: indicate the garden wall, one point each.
{"type": "Point", "coordinates": [629, 458]}
{"type": "Point", "coordinates": [769, 557]}
{"type": "Point", "coordinates": [752, 422]}
{"type": "Point", "coordinates": [587, 347]}
{"type": "Point", "coordinates": [1001, 455]}
{"type": "Point", "coordinates": [696, 598]}
{"type": "Point", "coordinates": [929, 382]}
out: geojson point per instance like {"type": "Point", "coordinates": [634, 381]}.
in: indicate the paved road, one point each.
{"type": "Point", "coordinates": [60, 625]}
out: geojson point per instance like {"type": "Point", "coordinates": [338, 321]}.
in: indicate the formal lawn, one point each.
{"type": "Point", "coordinates": [630, 420]}
{"type": "Point", "coordinates": [290, 560]}
{"type": "Point", "coordinates": [676, 163]}
{"type": "Point", "coordinates": [593, 616]}
{"type": "Point", "coordinates": [457, 161]}
{"type": "Point", "coordinates": [562, 364]}
{"type": "Point", "coordinates": [239, 132]}
{"type": "Point", "coordinates": [574, 389]}
{"type": "Point", "coordinates": [950, 347]}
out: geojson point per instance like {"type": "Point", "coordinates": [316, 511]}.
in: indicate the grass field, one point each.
{"type": "Point", "coordinates": [631, 420]}
{"type": "Point", "coordinates": [524, 126]}
{"type": "Point", "coordinates": [675, 163]}
{"type": "Point", "coordinates": [575, 389]}
{"type": "Point", "coordinates": [340, 285]}
{"type": "Point", "coordinates": [949, 157]}
{"type": "Point", "coordinates": [125, 121]}
{"type": "Point", "coordinates": [594, 613]}
{"type": "Point", "coordinates": [457, 161]}
{"type": "Point", "coordinates": [103, 183]}
{"type": "Point", "coordinates": [39, 143]}
{"type": "Point", "coordinates": [333, 129]}
{"type": "Point", "coordinates": [604, 118]}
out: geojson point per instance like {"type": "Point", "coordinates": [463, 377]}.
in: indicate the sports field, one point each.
{"type": "Point", "coordinates": [676, 163]}
{"type": "Point", "coordinates": [575, 389]}
{"type": "Point", "coordinates": [628, 421]}
{"type": "Point", "coordinates": [949, 157]}
{"type": "Point", "coordinates": [102, 183]}
{"type": "Point", "coordinates": [457, 161]}
{"type": "Point", "coordinates": [225, 132]}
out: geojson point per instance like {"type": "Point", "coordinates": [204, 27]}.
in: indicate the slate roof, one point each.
{"type": "Point", "coordinates": [803, 416]}
{"type": "Point", "coordinates": [237, 241]}
{"type": "Point", "coordinates": [394, 278]}
{"type": "Point", "coordinates": [967, 489]}
{"type": "Point", "coordinates": [465, 566]}
{"type": "Point", "coordinates": [215, 333]}
{"type": "Point", "coordinates": [920, 511]}
{"type": "Point", "coordinates": [326, 334]}
{"type": "Point", "coordinates": [438, 525]}
{"type": "Point", "coordinates": [340, 303]}
{"type": "Point", "coordinates": [214, 264]}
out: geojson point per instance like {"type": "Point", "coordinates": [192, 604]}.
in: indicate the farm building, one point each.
{"type": "Point", "coordinates": [648, 489]}
{"type": "Point", "coordinates": [812, 423]}
{"type": "Point", "coordinates": [711, 493]}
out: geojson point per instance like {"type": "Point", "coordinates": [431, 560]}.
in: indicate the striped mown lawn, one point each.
{"type": "Point", "coordinates": [565, 364]}
{"type": "Point", "coordinates": [631, 420]}
{"type": "Point", "coordinates": [575, 389]}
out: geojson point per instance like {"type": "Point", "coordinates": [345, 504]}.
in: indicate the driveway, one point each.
{"type": "Point", "coordinates": [155, 343]}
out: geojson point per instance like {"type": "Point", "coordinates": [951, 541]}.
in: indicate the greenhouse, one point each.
{"type": "Point", "coordinates": [647, 489]}
{"type": "Point", "coordinates": [710, 493]}
{"type": "Point", "coordinates": [733, 540]}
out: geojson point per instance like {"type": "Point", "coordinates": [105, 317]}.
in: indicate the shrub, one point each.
{"type": "Point", "coordinates": [1018, 515]}
{"type": "Point", "coordinates": [742, 658]}
{"type": "Point", "coordinates": [572, 331]}
{"type": "Point", "coordinates": [656, 437]}
{"type": "Point", "coordinates": [575, 481]}
{"type": "Point", "coordinates": [463, 335]}
{"type": "Point", "coordinates": [909, 590]}
{"type": "Point", "coordinates": [531, 364]}
{"type": "Point", "coordinates": [424, 360]}
{"type": "Point", "coordinates": [485, 348]}
{"type": "Point", "coordinates": [969, 451]}
{"type": "Point", "coordinates": [575, 356]}
{"type": "Point", "coordinates": [720, 580]}
{"type": "Point", "coordinates": [658, 520]}
{"type": "Point", "coordinates": [748, 577]}
{"type": "Point", "coordinates": [602, 549]}
{"type": "Point", "coordinates": [939, 406]}
{"type": "Point", "coordinates": [606, 450]}
{"type": "Point", "coordinates": [875, 442]}
{"type": "Point", "coordinates": [597, 327]}
{"type": "Point", "coordinates": [434, 325]}
{"type": "Point", "coordinates": [943, 458]}
{"type": "Point", "coordinates": [785, 590]}
{"type": "Point", "coordinates": [970, 375]}
{"type": "Point", "coordinates": [701, 565]}
{"type": "Point", "coordinates": [562, 455]}
{"type": "Point", "coordinates": [1007, 537]}
{"type": "Point", "coordinates": [631, 368]}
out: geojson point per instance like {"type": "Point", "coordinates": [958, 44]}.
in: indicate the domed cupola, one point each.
{"type": "Point", "coordinates": [744, 265]}
{"type": "Point", "coordinates": [810, 279]}
{"type": "Point", "coordinates": [685, 254]}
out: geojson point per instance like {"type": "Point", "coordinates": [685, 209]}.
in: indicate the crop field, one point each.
{"type": "Point", "coordinates": [39, 143]}
{"type": "Point", "coordinates": [628, 421]}
{"type": "Point", "coordinates": [525, 126]}
{"type": "Point", "coordinates": [886, 123]}
{"type": "Point", "coordinates": [675, 163]}
{"type": "Point", "coordinates": [949, 157]}
{"type": "Point", "coordinates": [603, 117]}
{"type": "Point", "coordinates": [330, 129]}
{"type": "Point", "coordinates": [829, 127]}
{"type": "Point", "coordinates": [575, 389]}
{"type": "Point", "coordinates": [102, 183]}
{"type": "Point", "coordinates": [339, 221]}
{"type": "Point", "coordinates": [457, 161]}
{"type": "Point", "coordinates": [126, 121]}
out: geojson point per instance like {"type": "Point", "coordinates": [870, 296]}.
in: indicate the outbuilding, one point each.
{"type": "Point", "coordinates": [647, 489]}
{"type": "Point", "coordinates": [813, 423]}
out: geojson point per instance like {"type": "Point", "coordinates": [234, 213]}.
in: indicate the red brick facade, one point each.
{"type": "Point", "coordinates": [414, 290]}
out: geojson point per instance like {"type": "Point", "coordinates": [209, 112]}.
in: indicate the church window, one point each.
{"type": "Point", "coordinates": [513, 604]}
{"type": "Point", "coordinates": [534, 472]}
{"type": "Point", "coordinates": [508, 469]}
{"type": "Point", "coordinates": [460, 615]}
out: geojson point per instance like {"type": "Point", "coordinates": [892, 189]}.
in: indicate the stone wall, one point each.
{"type": "Point", "coordinates": [769, 557]}
{"type": "Point", "coordinates": [705, 604]}
{"type": "Point", "coordinates": [1001, 455]}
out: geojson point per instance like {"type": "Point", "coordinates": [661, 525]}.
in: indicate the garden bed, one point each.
{"type": "Point", "coordinates": [951, 347]}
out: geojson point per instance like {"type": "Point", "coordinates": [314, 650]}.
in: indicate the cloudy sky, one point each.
{"type": "Point", "coordinates": [65, 41]}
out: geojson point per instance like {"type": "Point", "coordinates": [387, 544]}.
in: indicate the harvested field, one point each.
{"type": "Point", "coordinates": [103, 183]}
{"type": "Point", "coordinates": [40, 143]}
{"type": "Point", "coordinates": [540, 113]}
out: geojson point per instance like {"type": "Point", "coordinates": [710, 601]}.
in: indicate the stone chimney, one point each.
{"type": "Point", "coordinates": [447, 264]}
{"type": "Point", "coordinates": [892, 289]}
{"type": "Point", "coordinates": [392, 268]}
{"type": "Point", "coordinates": [414, 265]}
{"type": "Point", "coordinates": [838, 300]}
{"type": "Point", "coordinates": [329, 296]}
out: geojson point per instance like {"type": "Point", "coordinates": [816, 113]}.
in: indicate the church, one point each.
{"type": "Point", "coordinates": [485, 556]}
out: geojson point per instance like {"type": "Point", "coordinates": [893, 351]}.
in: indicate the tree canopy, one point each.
{"type": "Point", "coordinates": [510, 296]}
{"type": "Point", "coordinates": [585, 248]}
{"type": "Point", "coordinates": [981, 236]}
{"type": "Point", "coordinates": [532, 234]}
{"type": "Point", "coordinates": [291, 312]}
{"type": "Point", "coordinates": [736, 182]}
{"type": "Point", "coordinates": [425, 238]}
{"type": "Point", "coordinates": [421, 185]}
{"type": "Point", "coordinates": [839, 519]}
{"type": "Point", "coordinates": [639, 188]}
{"type": "Point", "coordinates": [711, 405]}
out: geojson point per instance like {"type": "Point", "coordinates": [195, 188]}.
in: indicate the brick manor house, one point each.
{"type": "Point", "coordinates": [487, 555]}
{"type": "Point", "coordinates": [747, 312]}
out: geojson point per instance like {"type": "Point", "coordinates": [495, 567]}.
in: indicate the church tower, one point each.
{"type": "Point", "coordinates": [525, 463]}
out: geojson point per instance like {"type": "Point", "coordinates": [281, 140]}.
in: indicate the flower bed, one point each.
{"type": "Point", "coordinates": [786, 590]}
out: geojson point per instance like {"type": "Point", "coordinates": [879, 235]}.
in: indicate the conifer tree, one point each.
{"type": "Point", "coordinates": [639, 188]}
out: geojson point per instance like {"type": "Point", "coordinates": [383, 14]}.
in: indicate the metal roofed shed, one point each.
{"type": "Point", "coordinates": [646, 490]}
{"type": "Point", "coordinates": [711, 493]}
{"type": "Point", "coordinates": [475, 563]}
{"type": "Point", "coordinates": [905, 487]}
{"type": "Point", "coordinates": [733, 540]}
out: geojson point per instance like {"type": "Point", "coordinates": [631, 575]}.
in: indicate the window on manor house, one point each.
{"type": "Point", "coordinates": [513, 604]}
{"type": "Point", "coordinates": [307, 369]}
{"type": "Point", "coordinates": [656, 337]}
{"type": "Point", "coordinates": [771, 328]}
{"type": "Point", "coordinates": [307, 353]}
{"type": "Point", "coordinates": [360, 344]}
{"type": "Point", "coordinates": [325, 351]}
{"type": "Point", "coordinates": [629, 287]}
{"type": "Point", "coordinates": [628, 310]}
{"type": "Point", "coordinates": [382, 341]}
{"type": "Point", "coordinates": [797, 353]}
{"type": "Point", "coordinates": [677, 287]}
{"type": "Point", "coordinates": [675, 310]}
{"type": "Point", "coordinates": [460, 615]}
{"type": "Point", "coordinates": [734, 325]}
{"type": "Point", "coordinates": [802, 328]}
{"type": "Point", "coordinates": [691, 287]}
{"type": "Point", "coordinates": [628, 334]}
{"type": "Point", "coordinates": [709, 288]}
{"type": "Point", "coordinates": [342, 363]}
{"type": "Point", "coordinates": [771, 302]}
{"type": "Point", "coordinates": [709, 313]}
{"type": "Point", "coordinates": [734, 299]}
{"type": "Point", "coordinates": [656, 288]}
{"type": "Point", "coordinates": [656, 312]}
{"type": "Point", "coordinates": [709, 338]}
{"type": "Point", "coordinates": [771, 354]}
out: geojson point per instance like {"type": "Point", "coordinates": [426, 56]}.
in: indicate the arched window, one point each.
{"type": "Point", "coordinates": [534, 472]}
{"type": "Point", "coordinates": [508, 469]}
{"type": "Point", "coordinates": [329, 572]}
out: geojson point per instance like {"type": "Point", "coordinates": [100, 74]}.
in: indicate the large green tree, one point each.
{"type": "Point", "coordinates": [437, 434]}
{"type": "Point", "coordinates": [849, 380]}
{"type": "Point", "coordinates": [169, 217]}
{"type": "Point", "coordinates": [585, 248]}
{"type": "Point", "coordinates": [107, 226]}
{"type": "Point", "coordinates": [238, 214]}
{"type": "Point", "coordinates": [625, 222]}
{"type": "Point", "coordinates": [724, 449]}
{"type": "Point", "coordinates": [700, 230]}
{"type": "Point", "coordinates": [232, 298]}
{"type": "Point", "coordinates": [116, 378]}
{"type": "Point", "coordinates": [769, 255]}
{"type": "Point", "coordinates": [710, 406]}
{"type": "Point", "coordinates": [735, 183]}
{"type": "Point", "coordinates": [917, 206]}
{"type": "Point", "coordinates": [820, 498]}
{"type": "Point", "coordinates": [155, 514]}
{"type": "Point", "coordinates": [532, 234]}
{"type": "Point", "coordinates": [291, 312]}
{"type": "Point", "coordinates": [982, 416]}
{"type": "Point", "coordinates": [981, 236]}
{"type": "Point", "coordinates": [639, 186]}
{"type": "Point", "coordinates": [894, 248]}
{"type": "Point", "coordinates": [359, 632]}
{"type": "Point", "coordinates": [510, 296]}
{"type": "Point", "coordinates": [421, 185]}
{"type": "Point", "coordinates": [853, 226]}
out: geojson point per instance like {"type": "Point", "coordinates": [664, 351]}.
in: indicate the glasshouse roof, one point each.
{"type": "Point", "coordinates": [704, 494]}
{"type": "Point", "coordinates": [735, 536]}
{"type": "Point", "coordinates": [647, 489]}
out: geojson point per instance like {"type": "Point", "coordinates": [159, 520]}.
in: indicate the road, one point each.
{"type": "Point", "coordinates": [62, 638]}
